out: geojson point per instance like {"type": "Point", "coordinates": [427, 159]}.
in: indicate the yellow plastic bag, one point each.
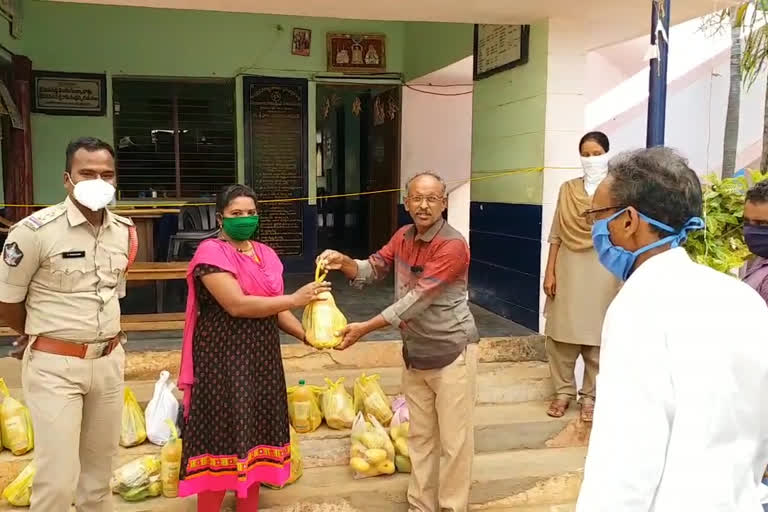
{"type": "Point", "coordinates": [399, 430]}
{"type": "Point", "coordinates": [133, 431]}
{"type": "Point", "coordinates": [370, 398]}
{"type": "Point", "coordinates": [19, 492]}
{"type": "Point", "coordinates": [323, 322]}
{"type": "Point", "coordinates": [139, 479]}
{"type": "Point", "coordinates": [297, 464]}
{"type": "Point", "coordinates": [337, 406]}
{"type": "Point", "coordinates": [170, 463]}
{"type": "Point", "coordinates": [15, 423]}
{"type": "Point", "coordinates": [372, 452]}
{"type": "Point", "coordinates": [303, 407]}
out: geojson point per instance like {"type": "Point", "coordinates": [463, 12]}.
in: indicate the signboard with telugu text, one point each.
{"type": "Point", "coordinates": [69, 94]}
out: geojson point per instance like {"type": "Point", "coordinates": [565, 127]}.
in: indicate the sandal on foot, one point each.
{"type": "Point", "coordinates": [558, 407]}
{"type": "Point", "coordinates": [587, 411]}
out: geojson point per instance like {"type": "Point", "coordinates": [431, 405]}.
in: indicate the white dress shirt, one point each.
{"type": "Point", "coordinates": [681, 421]}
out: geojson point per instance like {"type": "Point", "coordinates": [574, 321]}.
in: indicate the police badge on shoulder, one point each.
{"type": "Point", "coordinates": [12, 255]}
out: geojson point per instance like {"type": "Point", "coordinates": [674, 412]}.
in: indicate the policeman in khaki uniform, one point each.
{"type": "Point", "coordinates": [61, 275]}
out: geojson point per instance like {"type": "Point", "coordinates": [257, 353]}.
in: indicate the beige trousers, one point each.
{"type": "Point", "coordinates": [76, 407]}
{"type": "Point", "coordinates": [441, 439]}
{"type": "Point", "coordinates": [562, 361]}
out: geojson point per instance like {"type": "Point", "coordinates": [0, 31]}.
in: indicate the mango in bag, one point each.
{"type": "Point", "coordinates": [322, 321]}
{"type": "Point", "coordinates": [15, 423]}
{"type": "Point", "coordinates": [19, 492]}
{"type": "Point", "coordinates": [170, 463]}
{"type": "Point", "coordinates": [133, 431]}
{"type": "Point", "coordinates": [372, 453]}
{"type": "Point", "coordinates": [303, 408]}
{"type": "Point", "coordinates": [337, 406]}
{"type": "Point", "coordinates": [398, 431]}
{"type": "Point", "coordinates": [370, 398]}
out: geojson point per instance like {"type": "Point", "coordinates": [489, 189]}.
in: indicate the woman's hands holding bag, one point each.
{"type": "Point", "coordinates": [310, 293]}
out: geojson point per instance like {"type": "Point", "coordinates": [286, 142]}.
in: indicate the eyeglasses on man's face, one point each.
{"type": "Point", "coordinates": [594, 214]}
{"type": "Point", "coordinates": [431, 200]}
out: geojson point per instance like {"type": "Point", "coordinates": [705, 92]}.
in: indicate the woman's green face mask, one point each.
{"type": "Point", "coordinates": [240, 228]}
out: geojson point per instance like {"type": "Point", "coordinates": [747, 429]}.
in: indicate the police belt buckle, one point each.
{"type": "Point", "coordinates": [97, 350]}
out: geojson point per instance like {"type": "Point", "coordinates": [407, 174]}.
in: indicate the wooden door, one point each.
{"type": "Point", "coordinates": [383, 166]}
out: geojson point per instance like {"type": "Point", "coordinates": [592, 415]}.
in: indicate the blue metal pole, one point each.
{"type": "Point", "coordinates": [657, 87]}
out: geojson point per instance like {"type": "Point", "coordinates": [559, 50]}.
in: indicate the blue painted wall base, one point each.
{"type": "Point", "coordinates": [504, 276]}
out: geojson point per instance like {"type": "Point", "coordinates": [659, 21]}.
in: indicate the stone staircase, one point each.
{"type": "Point", "coordinates": [525, 461]}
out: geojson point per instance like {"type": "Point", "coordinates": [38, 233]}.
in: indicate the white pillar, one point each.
{"type": "Point", "coordinates": [564, 126]}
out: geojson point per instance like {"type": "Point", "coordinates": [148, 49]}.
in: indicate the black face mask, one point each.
{"type": "Point", "coordinates": [757, 239]}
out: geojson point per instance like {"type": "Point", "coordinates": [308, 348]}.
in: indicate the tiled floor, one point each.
{"type": "Point", "coordinates": [357, 305]}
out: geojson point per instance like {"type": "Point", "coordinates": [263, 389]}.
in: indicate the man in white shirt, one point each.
{"type": "Point", "coordinates": [682, 422]}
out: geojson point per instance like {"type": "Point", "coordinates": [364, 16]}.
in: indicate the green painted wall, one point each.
{"type": "Point", "coordinates": [169, 43]}
{"type": "Point", "coordinates": [432, 46]}
{"type": "Point", "coordinates": [508, 116]}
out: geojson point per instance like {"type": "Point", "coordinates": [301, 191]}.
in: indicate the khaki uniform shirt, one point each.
{"type": "Point", "coordinates": [70, 274]}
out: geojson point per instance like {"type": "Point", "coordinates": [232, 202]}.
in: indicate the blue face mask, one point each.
{"type": "Point", "coordinates": [620, 261]}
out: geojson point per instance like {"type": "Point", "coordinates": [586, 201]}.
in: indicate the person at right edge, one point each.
{"type": "Point", "coordinates": [62, 274]}
{"type": "Point", "coordinates": [431, 263]}
{"type": "Point", "coordinates": [755, 272]}
{"type": "Point", "coordinates": [682, 420]}
{"type": "Point", "coordinates": [578, 288]}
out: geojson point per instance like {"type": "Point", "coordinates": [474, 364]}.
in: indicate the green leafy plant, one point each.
{"type": "Point", "coordinates": [721, 245]}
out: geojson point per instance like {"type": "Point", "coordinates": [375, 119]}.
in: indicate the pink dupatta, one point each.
{"type": "Point", "coordinates": [264, 279]}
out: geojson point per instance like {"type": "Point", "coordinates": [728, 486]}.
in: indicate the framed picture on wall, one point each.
{"type": "Point", "coordinates": [499, 48]}
{"type": "Point", "coordinates": [301, 42]}
{"type": "Point", "coordinates": [357, 53]}
{"type": "Point", "coordinates": [69, 94]}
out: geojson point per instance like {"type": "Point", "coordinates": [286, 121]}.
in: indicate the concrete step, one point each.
{"type": "Point", "coordinates": [516, 481]}
{"type": "Point", "coordinates": [497, 383]}
{"type": "Point", "coordinates": [497, 428]}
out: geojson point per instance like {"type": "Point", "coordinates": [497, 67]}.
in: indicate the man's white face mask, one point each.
{"type": "Point", "coordinates": [595, 171]}
{"type": "Point", "coordinates": [93, 194]}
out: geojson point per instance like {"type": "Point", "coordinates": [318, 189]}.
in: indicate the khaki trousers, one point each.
{"type": "Point", "coordinates": [562, 361]}
{"type": "Point", "coordinates": [441, 439]}
{"type": "Point", "coordinates": [76, 408]}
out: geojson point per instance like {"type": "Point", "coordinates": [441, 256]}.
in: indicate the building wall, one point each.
{"type": "Point", "coordinates": [509, 121]}
{"type": "Point", "coordinates": [432, 46]}
{"type": "Point", "coordinates": [126, 41]}
{"type": "Point", "coordinates": [698, 77]}
{"type": "Point", "coordinates": [437, 136]}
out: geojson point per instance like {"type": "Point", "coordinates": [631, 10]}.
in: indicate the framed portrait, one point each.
{"type": "Point", "coordinates": [357, 53]}
{"type": "Point", "coordinates": [301, 42]}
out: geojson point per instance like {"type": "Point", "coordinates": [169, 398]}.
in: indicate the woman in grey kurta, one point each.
{"type": "Point", "coordinates": [579, 289]}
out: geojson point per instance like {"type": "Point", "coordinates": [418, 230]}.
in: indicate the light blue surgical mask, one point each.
{"type": "Point", "coordinates": [620, 261]}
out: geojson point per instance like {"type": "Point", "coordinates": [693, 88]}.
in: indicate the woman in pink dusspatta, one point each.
{"type": "Point", "coordinates": [236, 433]}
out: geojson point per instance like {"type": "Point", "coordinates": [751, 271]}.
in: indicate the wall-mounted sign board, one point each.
{"type": "Point", "coordinates": [499, 48]}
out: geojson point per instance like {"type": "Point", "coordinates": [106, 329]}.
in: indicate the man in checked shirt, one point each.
{"type": "Point", "coordinates": [431, 263]}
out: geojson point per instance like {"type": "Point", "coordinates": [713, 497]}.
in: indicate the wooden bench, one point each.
{"type": "Point", "coordinates": [145, 271]}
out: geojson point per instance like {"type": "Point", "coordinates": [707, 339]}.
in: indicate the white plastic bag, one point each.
{"type": "Point", "coordinates": [163, 406]}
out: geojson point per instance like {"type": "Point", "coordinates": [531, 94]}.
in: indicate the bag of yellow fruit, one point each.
{"type": "Point", "coordinates": [322, 321]}
{"type": "Point", "coordinates": [337, 406]}
{"type": "Point", "coordinates": [303, 408]}
{"type": "Point", "coordinates": [372, 453]}
{"type": "Point", "coordinates": [297, 465]}
{"type": "Point", "coordinates": [398, 431]}
{"type": "Point", "coordinates": [19, 492]}
{"type": "Point", "coordinates": [370, 398]}
{"type": "Point", "coordinates": [16, 429]}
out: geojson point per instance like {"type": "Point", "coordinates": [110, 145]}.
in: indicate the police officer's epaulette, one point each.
{"type": "Point", "coordinates": [39, 219]}
{"type": "Point", "coordinates": [122, 220]}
